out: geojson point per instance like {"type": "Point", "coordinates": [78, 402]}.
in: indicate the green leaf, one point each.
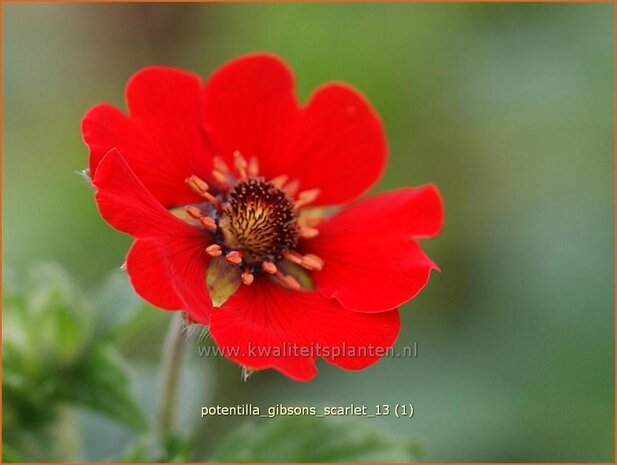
{"type": "Point", "coordinates": [117, 303]}
{"type": "Point", "coordinates": [10, 455]}
{"type": "Point", "coordinates": [173, 448]}
{"type": "Point", "coordinates": [312, 439]}
{"type": "Point", "coordinates": [143, 449]}
{"type": "Point", "coordinates": [55, 357]}
{"type": "Point", "coordinates": [101, 382]}
{"type": "Point", "coordinates": [47, 327]}
{"type": "Point", "coordinates": [58, 319]}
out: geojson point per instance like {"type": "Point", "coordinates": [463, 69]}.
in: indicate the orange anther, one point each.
{"type": "Point", "coordinates": [279, 181]}
{"type": "Point", "coordinates": [293, 257]}
{"type": "Point", "coordinates": [253, 167]}
{"type": "Point", "coordinates": [234, 257]}
{"type": "Point", "coordinates": [220, 177]}
{"type": "Point", "coordinates": [289, 280]}
{"type": "Point", "coordinates": [220, 165]}
{"type": "Point", "coordinates": [311, 221]}
{"type": "Point", "coordinates": [292, 282]}
{"type": "Point", "coordinates": [208, 222]}
{"type": "Point", "coordinates": [197, 184]}
{"type": "Point", "coordinates": [307, 233]}
{"type": "Point", "coordinates": [292, 187]}
{"type": "Point", "coordinates": [312, 262]}
{"type": "Point", "coordinates": [247, 278]}
{"type": "Point", "coordinates": [214, 250]}
{"type": "Point", "coordinates": [269, 267]}
{"type": "Point", "coordinates": [201, 187]}
{"type": "Point", "coordinates": [306, 197]}
{"type": "Point", "coordinates": [240, 164]}
{"type": "Point", "coordinates": [193, 211]}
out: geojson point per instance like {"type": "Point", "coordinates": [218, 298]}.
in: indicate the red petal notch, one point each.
{"type": "Point", "coordinates": [161, 138]}
{"type": "Point", "coordinates": [249, 106]}
{"type": "Point", "coordinates": [337, 143]}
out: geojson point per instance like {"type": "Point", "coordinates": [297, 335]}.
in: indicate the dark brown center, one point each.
{"type": "Point", "coordinates": [259, 219]}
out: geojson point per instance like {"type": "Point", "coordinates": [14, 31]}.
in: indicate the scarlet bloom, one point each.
{"type": "Point", "coordinates": [233, 191]}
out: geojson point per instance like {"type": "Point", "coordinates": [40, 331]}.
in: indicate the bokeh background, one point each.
{"type": "Point", "coordinates": [508, 108]}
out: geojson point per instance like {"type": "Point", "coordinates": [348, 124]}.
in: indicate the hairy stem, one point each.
{"type": "Point", "coordinates": [170, 372]}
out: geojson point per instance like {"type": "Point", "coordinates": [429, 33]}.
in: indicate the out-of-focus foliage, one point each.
{"type": "Point", "coordinates": [149, 448]}
{"type": "Point", "coordinates": [311, 439]}
{"type": "Point", "coordinates": [508, 108]}
{"type": "Point", "coordinates": [57, 356]}
{"type": "Point", "coordinates": [52, 359]}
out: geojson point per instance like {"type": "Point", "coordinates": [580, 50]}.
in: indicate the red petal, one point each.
{"type": "Point", "coordinates": [372, 262]}
{"type": "Point", "coordinates": [338, 145]}
{"type": "Point", "coordinates": [128, 206]}
{"type": "Point", "coordinates": [161, 139]}
{"type": "Point", "coordinates": [248, 106]}
{"type": "Point", "coordinates": [268, 318]}
{"type": "Point", "coordinates": [147, 267]}
{"type": "Point", "coordinates": [170, 272]}
{"type": "Point", "coordinates": [167, 264]}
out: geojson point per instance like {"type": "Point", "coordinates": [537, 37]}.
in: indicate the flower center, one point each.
{"type": "Point", "coordinates": [259, 219]}
{"type": "Point", "coordinates": [255, 223]}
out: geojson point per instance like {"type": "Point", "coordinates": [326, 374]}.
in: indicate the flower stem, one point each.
{"type": "Point", "coordinates": [170, 372]}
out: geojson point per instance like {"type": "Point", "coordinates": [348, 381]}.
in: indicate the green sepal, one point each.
{"type": "Point", "coordinates": [222, 279]}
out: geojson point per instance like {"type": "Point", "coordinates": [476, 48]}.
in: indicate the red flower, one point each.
{"type": "Point", "coordinates": [254, 171]}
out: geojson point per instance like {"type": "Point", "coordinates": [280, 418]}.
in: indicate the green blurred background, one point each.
{"type": "Point", "coordinates": [508, 108]}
